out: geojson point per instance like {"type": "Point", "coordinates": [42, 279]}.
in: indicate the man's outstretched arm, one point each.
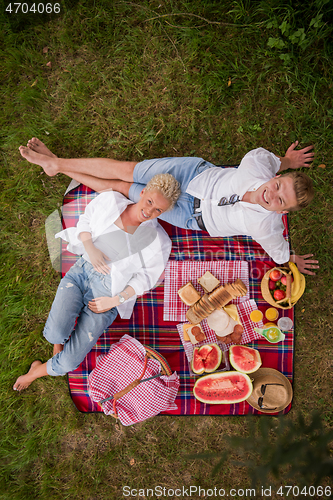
{"type": "Point", "coordinates": [296, 159]}
{"type": "Point", "coordinates": [304, 263]}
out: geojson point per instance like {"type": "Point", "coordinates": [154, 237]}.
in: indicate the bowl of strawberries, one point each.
{"type": "Point", "coordinates": [276, 287]}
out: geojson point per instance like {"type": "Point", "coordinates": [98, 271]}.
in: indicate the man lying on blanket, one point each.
{"type": "Point", "coordinates": [248, 200]}
{"type": "Point", "coordinates": [124, 252]}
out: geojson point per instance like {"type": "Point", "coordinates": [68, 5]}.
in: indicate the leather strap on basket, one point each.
{"type": "Point", "coordinates": [288, 286]}
{"type": "Point", "coordinates": [131, 386]}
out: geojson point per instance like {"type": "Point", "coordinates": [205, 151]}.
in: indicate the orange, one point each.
{"type": "Point", "coordinates": [256, 316]}
{"type": "Point", "coordinates": [268, 325]}
{"type": "Point", "coordinates": [271, 314]}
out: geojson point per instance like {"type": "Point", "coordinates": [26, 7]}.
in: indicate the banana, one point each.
{"type": "Point", "coordinates": [296, 284]}
{"type": "Point", "coordinates": [294, 298]}
{"type": "Point", "coordinates": [293, 287]}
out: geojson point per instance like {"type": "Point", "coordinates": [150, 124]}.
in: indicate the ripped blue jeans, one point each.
{"type": "Point", "coordinates": [80, 285]}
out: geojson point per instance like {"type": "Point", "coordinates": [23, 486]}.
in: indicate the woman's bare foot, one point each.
{"type": "Point", "coordinates": [39, 147]}
{"type": "Point", "coordinates": [57, 348]}
{"type": "Point", "coordinates": [37, 369]}
{"type": "Point", "coordinates": [44, 161]}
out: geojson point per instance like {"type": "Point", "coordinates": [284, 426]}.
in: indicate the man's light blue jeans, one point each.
{"type": "Point", "coordinates": [80, 285]}
{"type": "Point", "coordinates": [184, 170]}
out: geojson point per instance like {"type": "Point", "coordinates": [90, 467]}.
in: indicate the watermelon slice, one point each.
{"type": "Point", "coordinates": [223, 388]}
{"type": "Point", "coordinates": [206, 358]}
{"type": "Point", "coordinates": [244, 359]}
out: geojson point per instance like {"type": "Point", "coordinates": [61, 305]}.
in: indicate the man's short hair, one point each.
{"type": "Point", "coordinates": [303, 187]}
{"type": "Point", "coordinates": [168, 186]}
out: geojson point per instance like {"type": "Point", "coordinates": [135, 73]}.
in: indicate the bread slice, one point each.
{"type": "Point", "coordinates": [188, 294]}
{"type": "Point", "coordinates": [207, 306]}
{"type": "Point", "coordinates": [203, 306]}
{"type": "Point", "coordinates": [186, 326]}
{"type": "Point", "coordinates": [208, 282]}
{"type": "Point", "coordinates": [193, 317]}
{"type": "Point", "coordinates": [220, 297]}
{"type": "Point", "coordinates": [239, 288]}
{"type": "Point", "coordinates": [201, 309]}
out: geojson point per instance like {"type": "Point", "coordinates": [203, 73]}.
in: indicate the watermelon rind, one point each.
{"type": "Point", "coordinates": [197, 365]}
{"type": "Point", "coordinates": [244, 359]}
{"type": "Point", "coordinates": [218, 388]}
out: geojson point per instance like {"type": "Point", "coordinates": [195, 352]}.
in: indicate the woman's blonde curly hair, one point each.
{"type": "Point", "coordinates": [167, 185]}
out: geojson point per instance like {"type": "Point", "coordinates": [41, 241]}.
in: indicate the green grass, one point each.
{"type": "Point", "coordinates": [131, 82]}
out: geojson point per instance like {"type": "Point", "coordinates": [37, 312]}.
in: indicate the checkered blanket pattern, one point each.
{"type": "Point", "coordinates": [147, 324]}
{"type": "Point", "coordinates": [117, 369]}
{"type": "Point", "coordinates": [178, 274]}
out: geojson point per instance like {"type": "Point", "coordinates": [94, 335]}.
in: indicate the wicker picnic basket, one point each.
{"type": "Point", "coordinates": [165, 368]}
{"type": "Point", "coordinates": [266, 293]}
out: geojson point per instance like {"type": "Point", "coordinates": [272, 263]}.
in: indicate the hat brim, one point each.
{"type": "Point", "coordinates": [264, 372]}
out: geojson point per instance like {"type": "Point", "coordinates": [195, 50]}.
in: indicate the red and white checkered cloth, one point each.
{"type": "Point", "coordinates": [117, 369]}
{"type": "Point", "coordinates": [244, 311]}
{"type": "Point", "coordinates": [178, 274]}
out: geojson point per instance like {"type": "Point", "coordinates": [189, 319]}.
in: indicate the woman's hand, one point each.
{"type": "Point", "coordinates": [98, 260]}
{"type": "Point", "coordinates": [102, 304]}
{"type": "Point", "coordinates": [304, 264]}
{"type": "Point", "coordinates": [97, 257]}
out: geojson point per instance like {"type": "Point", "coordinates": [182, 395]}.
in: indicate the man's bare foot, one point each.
{"type": "Point", "coordinates": [57, 348]}
{"type": "Point", "coordinates": [25, 380]}
{"type": "Point", "coordinates": [39, 147]}
{"type": "Point", "coordinates": [42, 160]}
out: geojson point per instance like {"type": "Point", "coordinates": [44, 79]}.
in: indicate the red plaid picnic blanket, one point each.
{"type": "Point", "coordinates": [148, 326]}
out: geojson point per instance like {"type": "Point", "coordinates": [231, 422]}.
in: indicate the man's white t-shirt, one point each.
{"type": "Point", "coordinates": [257, 167]}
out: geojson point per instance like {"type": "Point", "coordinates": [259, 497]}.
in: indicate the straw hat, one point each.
{"type": "Point", "coordinates": [272, 391]}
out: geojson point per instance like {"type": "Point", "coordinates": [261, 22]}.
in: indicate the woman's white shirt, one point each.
{"type": "Point", "coordinates": [145, 252]}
